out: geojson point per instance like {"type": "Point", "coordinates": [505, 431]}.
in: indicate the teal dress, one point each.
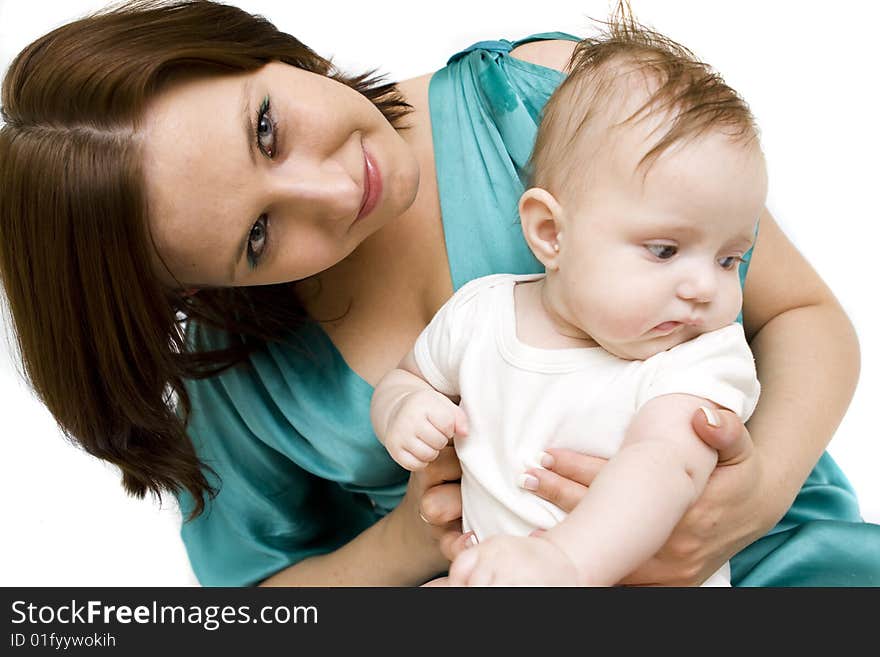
{"type": "Point", "coordinates": [301, 472]}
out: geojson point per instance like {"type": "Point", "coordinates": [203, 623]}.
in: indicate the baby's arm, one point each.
{"type": "Point", "coordinates": [640, 495]}
{"type": "Point", "coordinates": [630, 510]}
{"type": "Point", "coordinates": [413, 420]}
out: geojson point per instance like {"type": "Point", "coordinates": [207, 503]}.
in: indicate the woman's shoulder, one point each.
{"type": "Point", "coordinates": [549, 53]}
{"type": "Point", "coordinates": [547, 49]}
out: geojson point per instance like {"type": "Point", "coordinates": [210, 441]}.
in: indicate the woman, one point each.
{"type": "Point", "coordinates": [160, 141]}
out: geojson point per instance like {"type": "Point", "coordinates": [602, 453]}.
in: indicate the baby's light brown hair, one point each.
{"type": "Point", "coordinates": [629, 62]}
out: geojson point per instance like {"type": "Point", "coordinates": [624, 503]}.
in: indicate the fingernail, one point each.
{"type": "Point", "coordinates": [471, 540]}
{"type": "Point", "coordinates": [711, 416]}
{"type": "Point", "coordinates": [541, 460]}
{"type": "Point", "coordinates": [527, 481]}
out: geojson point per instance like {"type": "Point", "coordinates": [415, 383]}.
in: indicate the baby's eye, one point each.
{"type": "Point", "coordinates": [729, 262]}
{"type": "Point", "coordinates": [662, 251]}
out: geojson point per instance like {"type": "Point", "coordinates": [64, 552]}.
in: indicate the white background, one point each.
{"type": "Point", "coordinates": [809, 71]}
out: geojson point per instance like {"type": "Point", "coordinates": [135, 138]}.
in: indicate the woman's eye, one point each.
{"type": "Point", "coordinates": [662, 251]}
{"type": "Point", "coordinates": [729, 262]}
{"type": "Point", "coordinates": [265, 129]}
{"type": "Point", "coordinates": [257, 241]}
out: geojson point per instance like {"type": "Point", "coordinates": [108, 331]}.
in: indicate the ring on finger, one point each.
{"type": "Point", "coordinates": [426, 521]}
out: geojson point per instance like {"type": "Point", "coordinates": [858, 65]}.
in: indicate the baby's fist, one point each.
{"type": "Point", "coordinates": [422, 424]}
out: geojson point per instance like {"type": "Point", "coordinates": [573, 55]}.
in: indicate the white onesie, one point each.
{"type": "Point", "coordinates": [520, 400]}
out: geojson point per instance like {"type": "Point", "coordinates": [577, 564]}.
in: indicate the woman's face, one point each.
{"type": "Point", "coordinates": [267, 177]}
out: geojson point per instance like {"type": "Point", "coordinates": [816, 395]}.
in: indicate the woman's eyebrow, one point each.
{"type": "Point", "coordinates": [249, 131]}
{"type": "Point", "coordinates": [239, 251]}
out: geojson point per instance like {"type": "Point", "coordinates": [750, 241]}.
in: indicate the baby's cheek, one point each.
{"type": "Point", "coordinates": [618, 310]}
{"type": "Point", "coordinates": [731, 303]}
{"type": "Point", "coordinates": [623, 323]}
{"type": "Point", "coordinates": [634, 311]}
{"type": "Point", "coordinates": [628, 325]}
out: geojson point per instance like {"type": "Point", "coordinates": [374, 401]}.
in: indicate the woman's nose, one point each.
{"type": "Point", "coordinates": [327, 191]}
{"type": "Point", "coordinates": [699, 284]}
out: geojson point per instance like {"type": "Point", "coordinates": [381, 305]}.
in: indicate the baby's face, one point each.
{"type": "Point", "coordinates": [647, 263]}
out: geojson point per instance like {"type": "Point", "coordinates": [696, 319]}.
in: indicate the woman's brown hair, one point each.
{"type": "Point", "coordinates": [101, 339]}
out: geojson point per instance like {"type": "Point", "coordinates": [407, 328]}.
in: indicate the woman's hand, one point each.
{"type": "Point", "coordinates": [723, 521]}
{"type": "Point", "coordinates": [431, 510]}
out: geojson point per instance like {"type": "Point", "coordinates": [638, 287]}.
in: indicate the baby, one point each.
{"type": "Point", "coordinates": [644, 203]}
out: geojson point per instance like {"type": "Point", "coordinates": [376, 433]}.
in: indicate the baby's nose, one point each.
{"type": "Point", "coordinates": [700, 286]}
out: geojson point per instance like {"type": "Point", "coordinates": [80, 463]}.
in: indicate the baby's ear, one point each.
{"type": "Point", "coordinates": [541, 218]}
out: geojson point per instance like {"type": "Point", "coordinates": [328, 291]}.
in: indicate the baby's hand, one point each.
{"type": "Point", "coordinates": [513, 561]}
{"type": "Point", "coordinates": [422, 424]}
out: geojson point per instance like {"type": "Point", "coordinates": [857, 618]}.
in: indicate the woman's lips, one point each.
{"type": "Point", "coordinates": [372, 186]}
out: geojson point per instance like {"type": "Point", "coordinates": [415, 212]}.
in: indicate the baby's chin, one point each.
{"type": "Point", "coordinates": [639, 351]}
{"type": "Point", "coordinates": [645, 348]}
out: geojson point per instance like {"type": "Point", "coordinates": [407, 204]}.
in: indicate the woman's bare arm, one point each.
{"type": "Point", "coordinates": [380, 556]}
{"type": "Point", "coordinates": [414, 542]}
{"type": "Point", "coordinates": [807, 356]}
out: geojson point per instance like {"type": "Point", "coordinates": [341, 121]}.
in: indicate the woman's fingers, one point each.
{"type": "Point", "coordinates": [453, 543]}
{"type": "Point", "coordinates": [723, 430]}
{"type": "Point", "coordinates": [564, 478]}
{"type": "Point", "coordinates": [445, 467]}
{"type": "Point", "coordinates": [441, 504]}
{"type": "Point", "coordinates": [558, 490]}
{"type": "Point", "coordinates": [573, 465]}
